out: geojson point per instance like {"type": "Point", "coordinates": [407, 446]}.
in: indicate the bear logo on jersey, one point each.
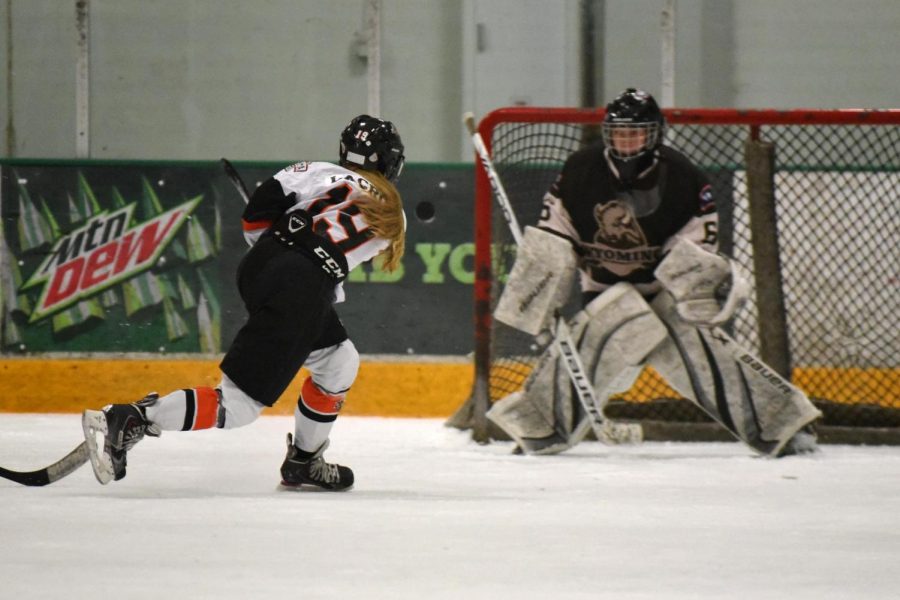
{"type": "Point", "coordinates": [620, 245]}
{"type": "Point", "coordinates": [617, 226]}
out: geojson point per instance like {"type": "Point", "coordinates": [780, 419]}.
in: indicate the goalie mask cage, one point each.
{"type": "Point", "coordinates": [825, 309]}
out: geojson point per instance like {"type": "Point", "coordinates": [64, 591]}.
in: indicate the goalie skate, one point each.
{"type": "Point", "coordinates": [122, 426]}
{"type": "Point", "coordinates": [803, 442]}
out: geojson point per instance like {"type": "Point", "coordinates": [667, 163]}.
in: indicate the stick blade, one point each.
{"type": "Point", "coordinates": [70, 463]}
{"type": "Point", "coordinates": [29, 478]}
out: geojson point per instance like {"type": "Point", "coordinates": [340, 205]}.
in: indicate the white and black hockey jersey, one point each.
{"type": "Point", "coordinates": [622, 232]}
{"type": "Point", "coordinates": [328, 193]}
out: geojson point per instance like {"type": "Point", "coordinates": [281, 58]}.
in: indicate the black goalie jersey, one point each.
{"type": "Point", "coordinates": [622, 232]}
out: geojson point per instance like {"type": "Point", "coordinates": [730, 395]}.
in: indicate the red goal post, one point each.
{"type": "Point", "coordinates": [834, 157]}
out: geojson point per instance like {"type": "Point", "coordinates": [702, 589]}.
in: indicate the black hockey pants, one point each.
{"type": "Point", "coordinates": [289, 299]}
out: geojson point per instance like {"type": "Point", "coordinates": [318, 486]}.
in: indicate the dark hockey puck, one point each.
{"type": "Point", "coordinates": [425, 211]}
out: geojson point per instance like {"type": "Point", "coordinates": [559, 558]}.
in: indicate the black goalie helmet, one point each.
{"type": "Point", "coordinates": [634, 125]}
{"type": "Point", "coordinates": [373, 144]}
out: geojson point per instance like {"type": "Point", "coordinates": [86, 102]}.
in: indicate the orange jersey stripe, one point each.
{"type": "Point", "coordinates": [255, 225]}
{"type": "Point", "coordinates": [319, 401]}
{"type": "Point", "coordinates": [207, 408]}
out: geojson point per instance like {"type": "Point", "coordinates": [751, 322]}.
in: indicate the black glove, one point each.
{"type": "Point", "coordinates": [293, 228]}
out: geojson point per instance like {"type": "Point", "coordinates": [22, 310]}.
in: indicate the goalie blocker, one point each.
{"type": "Point", "coordinates": [540, 282]}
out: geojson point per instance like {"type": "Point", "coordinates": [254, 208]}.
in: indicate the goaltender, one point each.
{"type": "Point", "coordinates": [638, 221]}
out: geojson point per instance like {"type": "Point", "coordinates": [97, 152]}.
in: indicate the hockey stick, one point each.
{"type": "Point", "coordinates": [607, 431]}
{"type": "Point", "coordinates": [64, 466]}
{"type": "Point", "coordinates": [235, 179]}
{"type": "Point", "coordinates": [72, 461]}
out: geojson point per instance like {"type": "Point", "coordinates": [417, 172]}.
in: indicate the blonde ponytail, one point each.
{"type": "Point", "coordinates": [382, 209]}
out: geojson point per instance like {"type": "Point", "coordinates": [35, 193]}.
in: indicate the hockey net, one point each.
{"type": "Point", "coordinates": [837, 214]}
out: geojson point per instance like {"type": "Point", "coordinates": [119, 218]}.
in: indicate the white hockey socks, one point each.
{"type": "Point", "coordinates": [186, 410]}
{"type": "Point", "coordinates": [315, 414]}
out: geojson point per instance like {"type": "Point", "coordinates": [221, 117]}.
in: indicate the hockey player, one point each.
{"type": "Point", "coordinates": [642, 222]}
{"type": "Point", "coordinates": [308, 226]}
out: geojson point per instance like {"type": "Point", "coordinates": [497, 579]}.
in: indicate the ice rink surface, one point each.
{"type": "Point", "coordinates": [434, 515]}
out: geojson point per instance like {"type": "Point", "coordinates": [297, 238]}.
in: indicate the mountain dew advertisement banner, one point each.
{"type": "Point", "coordinates": [129, 258]}
{"type": "Point", "coordinates": [100, 259]}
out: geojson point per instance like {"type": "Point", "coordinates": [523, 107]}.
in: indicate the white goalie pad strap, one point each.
{"type": "Point", "coordinates": [540, 282]}
{"type": "Point", "coordinates": [708, 288]}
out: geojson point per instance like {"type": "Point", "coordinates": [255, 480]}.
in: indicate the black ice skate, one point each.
{"type": "Point", "coordinates": [123, 426]}
{"type": "Point", "coordinates": [304, 468]}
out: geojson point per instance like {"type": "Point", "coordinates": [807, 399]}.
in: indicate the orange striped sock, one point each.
{"type": "Point", "coordinates": [201, 408]}
{"type": "Point", "coordinates": [319, 405]}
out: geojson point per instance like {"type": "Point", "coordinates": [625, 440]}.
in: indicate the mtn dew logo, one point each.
{"type": "Point", "coordinates": [103, 252]}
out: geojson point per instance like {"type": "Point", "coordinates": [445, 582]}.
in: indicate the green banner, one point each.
{"type": "Point", "coordinates": [142, 257]}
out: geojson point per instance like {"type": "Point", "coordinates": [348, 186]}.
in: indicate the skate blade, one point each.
{"type": "Point", "coordinates": [308, 488]}
{"type": "Point", "coordinates": [94, 422]}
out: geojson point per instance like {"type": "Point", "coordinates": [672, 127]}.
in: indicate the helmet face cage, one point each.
{"type": "Point", "coordinates": [373, 144]}
{"type": "Point", "coordinates": [633, 116]}
{"type": "Point", "coordinates": [622, 139]}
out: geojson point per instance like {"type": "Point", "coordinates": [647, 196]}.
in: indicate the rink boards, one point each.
{"type": "Point", "coordinates": [386, 386]}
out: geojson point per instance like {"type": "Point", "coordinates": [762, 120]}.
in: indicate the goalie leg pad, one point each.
{"type": "Point", "coordinates": [730, 384]}
{"type": "Point", "coordinates": [622, 332]}
{"type": "Point", "coordinates": [615, 334]}
{"type": "Point", "coordinates": [540, 282]}
{"type": "Point", "coordinates": [530, 424]}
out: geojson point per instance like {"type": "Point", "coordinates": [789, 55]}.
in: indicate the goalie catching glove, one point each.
{"type": "Point", "coordinates": [708, 288]}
